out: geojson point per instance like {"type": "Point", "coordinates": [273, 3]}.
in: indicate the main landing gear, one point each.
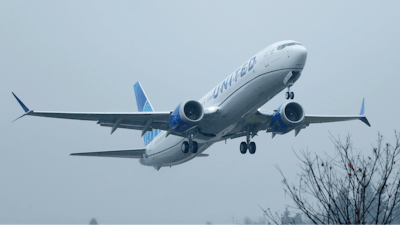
{"type": "Point", "coordinates": [251, 146]}
{"type": "Point", "coordinates": [248, 145]}
{"type": "Point", "coordinates": [191, 146]}
{"type": "Point", "coordinates": [288, 93]}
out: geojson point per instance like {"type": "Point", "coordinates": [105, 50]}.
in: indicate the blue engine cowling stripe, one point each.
{"type": "Point", "coordinates": [176, 123]}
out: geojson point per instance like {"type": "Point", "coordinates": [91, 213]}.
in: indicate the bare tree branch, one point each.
{"type": "Point", "coordinates": [348, 188]}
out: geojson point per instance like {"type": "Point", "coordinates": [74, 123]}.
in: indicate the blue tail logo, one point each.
{"type": "Point", "coordinates": [144, 105]}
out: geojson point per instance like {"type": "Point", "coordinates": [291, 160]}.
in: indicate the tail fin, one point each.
{"type": "Point", "coordinates": [144, 105]}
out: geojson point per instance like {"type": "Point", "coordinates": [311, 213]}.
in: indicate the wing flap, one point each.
{"type": "Point", "coordinates": [327, 119]}
{"type": "Point", "coordinates": [93, 116]}
{"type": "Point", "coordinates": [161, 125]}
{"type": "Point", "coordinates": [128, 120]}
{"type": "Point", "coordinates": [134, 153]}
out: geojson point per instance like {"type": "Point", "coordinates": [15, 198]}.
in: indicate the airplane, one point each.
{"type": "Point", "coordinates": [228, 111]}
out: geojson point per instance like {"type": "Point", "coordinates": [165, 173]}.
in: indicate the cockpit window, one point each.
{"type": "Point", "coordinates": [280, 47]}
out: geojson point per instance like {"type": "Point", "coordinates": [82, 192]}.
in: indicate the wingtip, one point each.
{"type": "Point", "coordinates": [18, 118]}
{"type": "Point", "coordinates": [362, 112]}
{"type": "Point", "coordinates": [365, 120]}
{"type": "Point", "coordinates": [22, 104]}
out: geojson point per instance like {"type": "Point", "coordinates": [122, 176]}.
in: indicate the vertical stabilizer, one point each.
{"type": "Point", "coordinates": [144, 105]}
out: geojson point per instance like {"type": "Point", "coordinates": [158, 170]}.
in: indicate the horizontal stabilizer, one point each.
{"type": "Point", "coordinates": [134, 153]}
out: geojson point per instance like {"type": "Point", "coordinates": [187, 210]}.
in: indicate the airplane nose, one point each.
{"type": "Point", "coordinates": [300, 55]}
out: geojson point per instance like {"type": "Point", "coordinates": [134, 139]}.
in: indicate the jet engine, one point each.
{"type": "Point", "coordinates": [186, 115]}
{"type": "Point", "coordinates": [288, 116]}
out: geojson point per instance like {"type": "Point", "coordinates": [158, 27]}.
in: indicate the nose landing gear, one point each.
{"type": "Point", "coordinates": [288, 93]}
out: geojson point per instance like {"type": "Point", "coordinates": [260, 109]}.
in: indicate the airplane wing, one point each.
{"type": "Point", "coordinates": [327, 119]}
{"type": "Point", "coordinates": [261, 121]}
{"type": "Point", "coordinates": [309, 119]}
{"type": "Point", "coordinates": [132, 120]}
{"type": "Point", "coordinates": [134, 153]}
{"type": "Point", "coordinates": [144, 121]}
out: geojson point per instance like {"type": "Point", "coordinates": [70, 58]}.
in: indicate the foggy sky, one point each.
{"type": "Point", "coordinates": [85, 56]}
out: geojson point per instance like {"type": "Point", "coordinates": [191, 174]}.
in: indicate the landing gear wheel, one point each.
{"type": "Point", "coordinates": [194, 147]}
{"type": "Point", "coordinates": [185, 147]}
{"type": "Point", "coordinates": [252, 147]}
{"type": "Point", "coordinates": [243, 147]}
{"type": "Point", "coordinates": [289, 95]}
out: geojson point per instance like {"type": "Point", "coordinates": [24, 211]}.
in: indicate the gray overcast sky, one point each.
{"type": "Point", "coordinates": [86, 56]}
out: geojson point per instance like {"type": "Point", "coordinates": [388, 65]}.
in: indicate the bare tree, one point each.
{"type": "Point", "coordinates": [349, 188]}
{"type": "Point", "coordinates": [284, 218]}
{"type": "Point", "coordinates": [248, 220]}
{"type": "Point", "coordinates": [93, 222]}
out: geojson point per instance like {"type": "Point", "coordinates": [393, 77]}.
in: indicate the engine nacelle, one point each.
{"type": "Point", "coordinates": [186, 115]}
{"type": "Point", "coordinates": [288, 116]}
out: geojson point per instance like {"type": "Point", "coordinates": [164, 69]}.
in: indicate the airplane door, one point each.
{"type": "Point", "coordinates": [266, 59]}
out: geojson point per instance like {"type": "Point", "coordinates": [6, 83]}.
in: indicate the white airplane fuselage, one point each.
{"type": "Point", "coordinates": [241, 94]}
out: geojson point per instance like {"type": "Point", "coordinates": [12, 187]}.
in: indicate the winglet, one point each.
{"type": "Point", "coordinates": [364, 119]}
{"type": "Point", "coordinates": [362, 113]}
{"type": "Point", "coordinates": [362, 107]}
{"type": "Point", "coordinates": [22, 104]}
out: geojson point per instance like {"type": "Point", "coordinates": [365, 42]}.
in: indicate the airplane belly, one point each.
{"type": "Point", "coordinates": [233, 108]}
{"type": "Point", "coordinates": [169, 153]}
{"type": "Point", "coordinates": [184, 157]}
